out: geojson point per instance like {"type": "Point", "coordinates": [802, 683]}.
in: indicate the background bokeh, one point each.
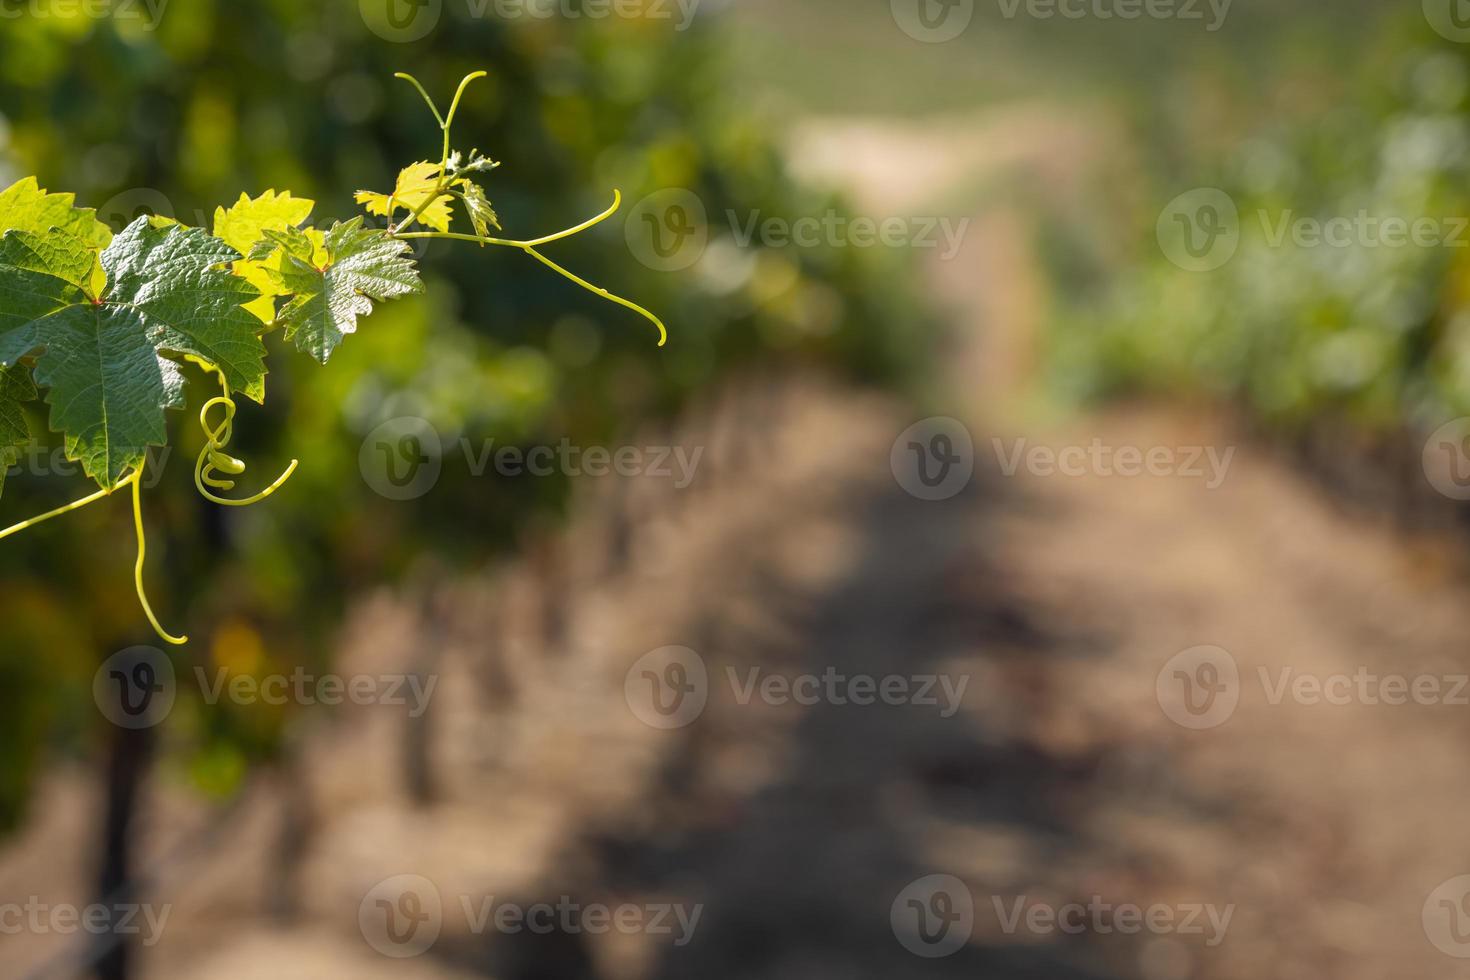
{"type": "Point", "coordinates": [1061, 152]}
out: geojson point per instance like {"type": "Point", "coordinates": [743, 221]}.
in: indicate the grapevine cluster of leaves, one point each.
{"type": "Point", "coordinates": [101, 323]}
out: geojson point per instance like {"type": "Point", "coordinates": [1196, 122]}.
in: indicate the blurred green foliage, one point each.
{"type": "Point", "coordinates": [222, 96]}
{"type": "Point", "coordinates": [1365, 325]}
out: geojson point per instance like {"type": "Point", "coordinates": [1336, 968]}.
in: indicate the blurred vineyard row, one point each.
{"type": "Point", "coordinates": [1331, 308]}
{"type": "Point", "coordinates": [222, 96]}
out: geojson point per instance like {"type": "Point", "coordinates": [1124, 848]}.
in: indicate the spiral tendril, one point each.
{"type": "Point", "coordinates": [213, 458]}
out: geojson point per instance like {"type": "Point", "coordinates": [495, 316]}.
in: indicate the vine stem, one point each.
{"type": "Point", "coordinates": [529, 247]}
{"type": "Point", "coordinates": [134, 480]}
{"type": "Point", "coordinates": [443, 187]}
{"type": "Point", "coordinates": [64, 509]}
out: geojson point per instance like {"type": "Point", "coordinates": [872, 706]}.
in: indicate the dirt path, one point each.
{"type": "Point", "coordinates": [1324, 817]}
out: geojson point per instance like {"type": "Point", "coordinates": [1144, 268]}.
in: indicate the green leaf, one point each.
{"type": "Point", "coordinates": [363, 264]}
{"type": "Point", "coordinates": [16, 389]}
{"type": "Point", "coordinates": [176, 277]}
{"type": "Point", "coordinates": [108, 387]}
{"type": "Point", "coordinates": [101, 359]}
{"type": "Point", "coordinates": [37, 278]}
{"type": "Point", "coordinates": [482, 215]}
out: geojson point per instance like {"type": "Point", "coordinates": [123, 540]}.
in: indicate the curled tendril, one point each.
{"type": "Point", "coordinates": [213, 458]}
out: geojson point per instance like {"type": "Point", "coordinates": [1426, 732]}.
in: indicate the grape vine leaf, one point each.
{"type": "Point", "coordinates": [38, 277]}
{"type": "Point", "coordinates": [167, 290]}
{"type": "Point", "coordinates": [16, 388]}
{"type": "Point", "coordinates": [178, 278]}
{"type": "Point", "coordinates": [243, 226]}
{"type": "Point", "coordinates": [24, 206]}
{"type": "Point", "coordinates": [416, 183]}
{"type": "Point", "coordinates": [362, 265]}
{"type": "Point", "coordinates": [482, 215]}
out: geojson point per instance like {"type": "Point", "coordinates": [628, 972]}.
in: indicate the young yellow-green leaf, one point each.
{"type": "Point", "coordinates": [363, 264]}
{"type": "Point", "coordinates": [482, 215]}
{"type": "Point", "coordinates": [24, 206]}
{"type": "Point", "coordinates": [247, 219]}
{"type": "Point", "coordinates": [416, 184]}
{"type": "Point", "coordinates": [243, 226]}
{"type": "Point", "coordinates": [167, 290]}
{"type": "Point", "coordinates": [16, 389]}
